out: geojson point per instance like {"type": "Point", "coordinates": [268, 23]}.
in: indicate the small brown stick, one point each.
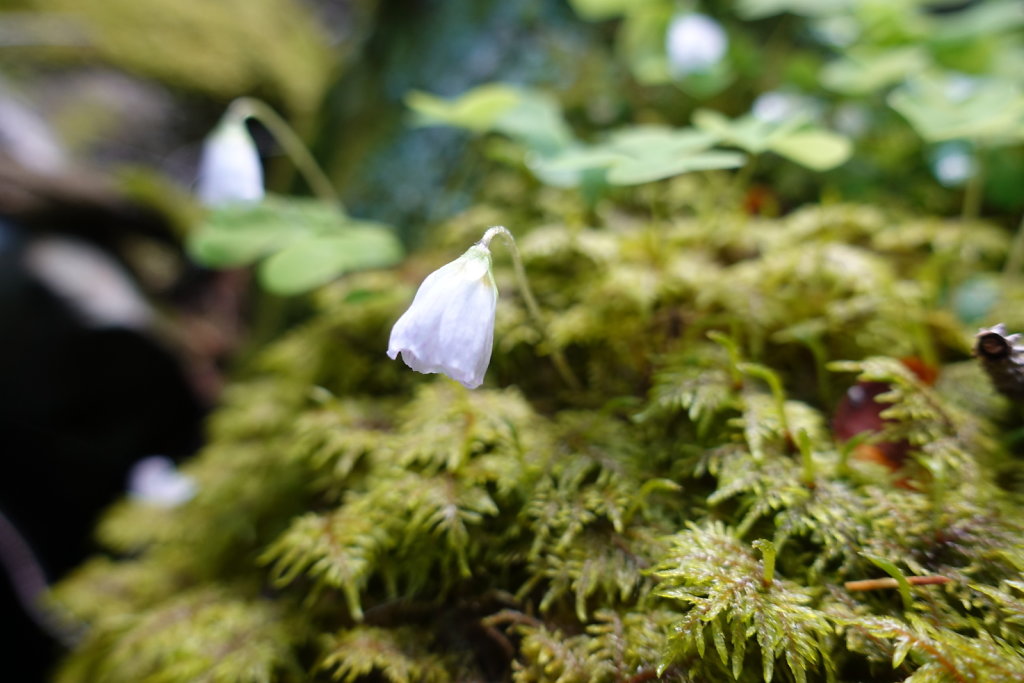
{"type": "Point", "coordinates": [511, 616]}
{"type": "Point", "coordinates": [888, 582]}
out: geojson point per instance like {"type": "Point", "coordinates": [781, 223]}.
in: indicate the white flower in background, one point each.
{"type": "Point", "coordinates": [776, 106]}
{"type": "Point", "coordinates": [94, 285]}
{"type": "Point", "coordinates": [449, 327]}
{"type": "Point", "coordinates": [694, 43]}
{"type": "Point", "coordinates": [229, 169]}
{"type": "Point", "coordinates": [26, 137]}
{"type": "Point", "coordinates": [155, 480]}
{"type": "Point", "coordinates": [953, 164]}
{"type": "Point", "coordinates": [851, 119]}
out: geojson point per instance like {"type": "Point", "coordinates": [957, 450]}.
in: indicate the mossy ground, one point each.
{"type": "Point", "coordinates": [688, 516]}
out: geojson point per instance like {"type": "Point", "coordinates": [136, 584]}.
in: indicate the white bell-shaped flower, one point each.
{"type": "Point", "coordinates": [449, 327]}
{"type": "Point", "coordinates": [229, 169]}
{"type": "Point", "coordinates": [694, 43]}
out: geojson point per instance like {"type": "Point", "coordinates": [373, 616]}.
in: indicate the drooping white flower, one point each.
{"type": "Point", "coordinates": [229, 169]}
{"type": "Point", "coordinates": [449, 327]}
{"type": "Point", "coordinates": [694, 43]}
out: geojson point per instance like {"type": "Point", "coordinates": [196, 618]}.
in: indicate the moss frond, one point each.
{"type": "Point", "coordinates": [203, 634]}
{"type": "Point", "coordinates": [721, 590]}
{"type": "Point", "coordinates": [395, 655]}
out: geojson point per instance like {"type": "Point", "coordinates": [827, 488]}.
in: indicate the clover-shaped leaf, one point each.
{"type": "Point", "coordinates": [869, 69]}
{"type": "Point", "coordinates": [477, 109]}
{"type": "Point", "coordinates": [305, 242]}
{"type": "Point", "coordinates": [639, 154]}
{"type": "Point", "coordinates": [987, 111]}
{"type": "Point", "coordinates": [316, 259]}
{"type": "Point", "coordinates": [794, 138]}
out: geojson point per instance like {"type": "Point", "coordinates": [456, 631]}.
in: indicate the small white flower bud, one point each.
{"type": "Point", "coordinates": [229, 169]}
{"type": "Point", "coordinates": [449, 327]}
{"type": "Point", "coordinates": [694, 43]}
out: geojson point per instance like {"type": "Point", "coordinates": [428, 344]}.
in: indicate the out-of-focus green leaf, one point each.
{"type": "Point", "coordinates": [638, 154]}
{"type": "Point", "coordinates": [641, 42]}
{"type": "Point", "coordinates": [705, 84]}
{"type": "Point", "coordinates": [746, 132]}
{"type": "Point", "coordinates": [307, 242]}
{"type": "Point", "coordinates": [641, 141]}
{"type": "Point", "coordinates": [982, 20]}
{"type": "Point", "coordinates": [597, 10]}
{"type": "Point", "coordinates": [758, 9]}
{"type": "Point", "coordinates": [535, 120]}
{"type": "Point", "coordinates": [477, 109]}
{"type": "Point", "coordinates": [989, 111]}
{"type": "Point", "coordinates": [316, 259]}
{"type": "Point", "coordinates": [818, 150]}
{"type": "Point", "coordinates": [637, 171]}
{"type": "Point", "coordinates": [807, 145]}
{"type": "Point", "coordinates": [530, 117]}
{"type": "Point", "coordinates": [867, 70]}
{"type": "Point", "coordinates": [238, 234]}
{"type": "Point", "coordinates": [576, 159]}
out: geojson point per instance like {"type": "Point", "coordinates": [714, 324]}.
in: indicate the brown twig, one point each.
{"type": "Point", "coordinates": [878, 584]}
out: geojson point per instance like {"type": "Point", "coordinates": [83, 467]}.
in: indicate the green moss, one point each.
{"type": "Point", "coordinates": [407, 529]}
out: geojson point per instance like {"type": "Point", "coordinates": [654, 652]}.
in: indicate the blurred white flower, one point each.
{"type": "Point", "coordinates": [694, 43]}
{"type": "Point", "coordinates": [449, 327]}
{"type": "Point", "coordinates": [156, 481]}
{"type": "Point", "coordinates": [96, 287]}
{"type": "Point", "coordinates": [852, 119]}
{"type": "Point", "coordinates": [26, 137]}
{"type": "Point", "coordinates": [229, 169]}
{"type": "Point", "coordinates": [960, 87]}
{"type": "Point", "coordinates": [776, 106]}
{"type": "Point", "coordinates": [953, 164]}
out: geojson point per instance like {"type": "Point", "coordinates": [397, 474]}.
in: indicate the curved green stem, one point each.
{"type": "Point", "coordinates": [557, 357]}
{"type": "Point", "coordinates": [293, 146]}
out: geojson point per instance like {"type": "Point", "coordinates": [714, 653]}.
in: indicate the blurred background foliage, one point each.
{"type": "Point", "coordinates": [723, 207]}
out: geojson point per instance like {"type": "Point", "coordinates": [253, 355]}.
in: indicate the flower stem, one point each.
{"type": "Point", "coordinates": [557, 357]}
{"type": "Point", "coordinates": [1016, 258]}
{"type": "Point", "coordinates": [248, 107]}
{"type": "Point", "coordinates": [971, 208]}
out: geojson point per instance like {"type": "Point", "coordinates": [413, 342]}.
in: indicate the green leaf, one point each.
{"type": "Point", "coordinates": [641, 42]}
{"type": "Point", "coordinates": [239, 234]}
{"type": "Point", "coordinates": [575, 159]}
{"type": "Point", "coordinates": [478, 109]}
{"type": "Point", "coordinates": [866, 70]}
{"type": "Point", "coordinates": [637, 154]}
{"type": "Point", "coordinates": [597, 10]}
{"type": "Point", "coordinates": [992, 111]}
{"type": "Point", "coordinates": [536, 121]}
{"type": "Point", "coordinates": [637, 171]}
{"type": "Point", "coordinates": [759, 9]}
{"type": "Point", "coordinates": [818, 150]}
{"type": "Point", "coordinates": [748, 133]}
{"type": "Point", "coordinates": [309, 242]}
{"type": "Point", "coordinates": [809, 146]}
{"type": "Point", "coordinates": [646, 141]}
{"type": "Point", "coordinates": [317, 259]}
